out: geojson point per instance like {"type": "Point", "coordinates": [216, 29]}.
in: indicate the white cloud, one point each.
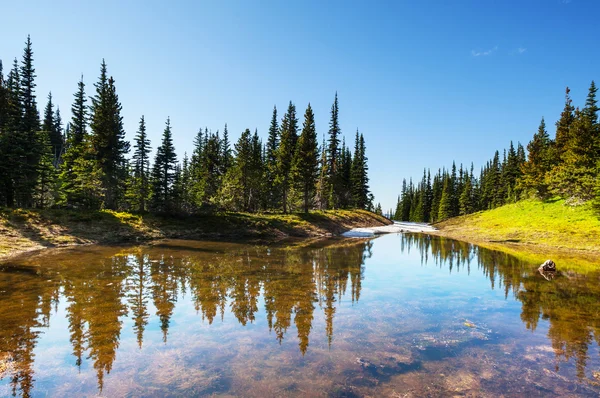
{"type": "Point", "coordinates": [483, 53]}
{"type": "Point", "coordinates": [521, 50]}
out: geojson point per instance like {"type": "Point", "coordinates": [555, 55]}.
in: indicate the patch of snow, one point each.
{"type": "Point", "coordinates": [396, 227]}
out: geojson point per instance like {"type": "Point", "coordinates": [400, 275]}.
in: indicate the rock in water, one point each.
{"type": "Point", "coordinates": [548, 266]}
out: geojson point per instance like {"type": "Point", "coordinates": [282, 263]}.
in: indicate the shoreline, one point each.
{"type": "Point", "coordinates": [24, 232]}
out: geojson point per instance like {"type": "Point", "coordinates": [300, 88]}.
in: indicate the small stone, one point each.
{"type": "Point", "coordinates": [548, 266]}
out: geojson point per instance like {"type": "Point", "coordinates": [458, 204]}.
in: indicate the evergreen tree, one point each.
{"type": "Point", "coordinates": [142, 149]}
{"type": "Point", "coordinates": [46, 188]}
{"type": "Point", "coordinates": [77, 143]}
{"type": "Point", "coordinates": [52, 127]}
{"type": "Point", "coordinates": [211, 167]}
{"type": "Point", "coordinates": [445, 210]}
{"type": "Point", "coordinates": [58, 145]}
{"type": "Point", "coordinates": [322, 189]}
{"type": "Point", "coordinates": [538, 163]}
{"type": "Point", "coordinates": [30, 125]}
{"type": "Point", "coordinates": [108, 139]}
{"type": "Point", "coordinates": [227, 157]}
{"type": "Point", "coordinates": [305, 164]}
{"type": "Point", "coordinates": [285, 153]}
{"type": "Point", "coordinates": [196, 172]}
{"type": "Point", "coordinates": [590, 112]}
{"type": "Point", "coordinates": [333, 153]}
{"type": "Point", "coordinates": [563, 126]}
{"type": "Point", "coordinates": [242, 184]}
{"type": "Point", "coordinates": [272, 147]}
{"type": "Point", "coordinates": [163, 172]}
{"type": "Point", "coordinates": [467, 205]}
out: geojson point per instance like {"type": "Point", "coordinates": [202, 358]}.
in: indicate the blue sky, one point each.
{"type": "Point", "coordinates": [426, 82]}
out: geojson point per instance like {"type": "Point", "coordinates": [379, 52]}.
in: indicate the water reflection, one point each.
{"type": "Point", "coordinates": [110, 296]}
{"type": "Point", "coordinates": [570, 302]}
{"type": "Point", "coordinates": [107, 285]}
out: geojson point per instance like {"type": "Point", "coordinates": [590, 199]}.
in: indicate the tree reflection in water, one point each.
{"type": "Point", "coordinates": [101, 289]}
{"type": "Point", "coordinates": [107, 285]}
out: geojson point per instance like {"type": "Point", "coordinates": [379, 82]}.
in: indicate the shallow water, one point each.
{"type": "Point", "coordinates": [400, 315]}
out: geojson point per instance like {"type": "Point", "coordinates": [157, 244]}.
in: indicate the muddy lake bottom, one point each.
{"type": "Point", "coordinates": [400, 315]}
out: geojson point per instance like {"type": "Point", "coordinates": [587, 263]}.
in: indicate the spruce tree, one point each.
{"type": "Point", "coordinates": [590, 111]}
{"type": "Point", "coordinates": [285, 153]}
{"type": "Point", "coordinates": [272, 147]}
{"type": "Point", "coordinates": [59, 140]}
{"type": "Point", "coordinates": [76, 147]}
{"type": "Point", "coordinates": [563, 126]}
{"type": "Point", "coordinates": [108, 139]}
{"type": "Point", "coordinates": [466, 198]}
{"type": "Point", "coordinates": [305, 165]}
{"type": "Point", "coordinates": [538, 163]}
{"type": "Point", "coordinates": [3, 134]}
{"type": "Point", "coordinates": [163, 172]}
{"type": "Point", "coordinates": [333, 153]}
{"type": "Point", "coordinates": [141, 152]}
{"type": "Point", "coordinates": [52, 127]}
{"type": "Point", "coordinates": [14, 164]}
{"type": "Point", "coordinates": [46, 188]}
{"type": "Point", "coordinates": [196, 172]}
{"type": "Point", "coordinates": [445, 210]}
{"type": "Point", "coordinates": [322, 185]}
{"type": "Point", "coordinates": [226, 156]}
{"type": "Point", "coordinates": [30, 125]}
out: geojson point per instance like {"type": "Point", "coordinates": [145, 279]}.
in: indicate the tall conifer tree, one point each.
{"type": "Point", "coordinates": [163, 172]}
{"type": "Point", "coordinates": [108, 139]}
{"type": "Point", "coordinates": [285, 153]}
{"type": "Point", "coordinates": [306, 160]}
{"type": "Point", "coordinates": [141, 168]}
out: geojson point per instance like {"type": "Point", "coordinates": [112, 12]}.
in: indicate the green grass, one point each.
{"type": "Point", "coordinates": [551, 224]}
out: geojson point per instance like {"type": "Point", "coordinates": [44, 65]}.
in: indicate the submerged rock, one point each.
{"type": "Point", "coordinates": [548, 266]}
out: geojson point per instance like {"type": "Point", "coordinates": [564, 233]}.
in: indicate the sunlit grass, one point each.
{"type": "Point", "coordinates": [550, 224]}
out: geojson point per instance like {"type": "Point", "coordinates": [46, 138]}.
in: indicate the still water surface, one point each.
{"type": "Point", "coordinates": [400, 315]}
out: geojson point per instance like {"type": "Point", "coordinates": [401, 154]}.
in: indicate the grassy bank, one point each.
{"type": "Point", "coordinates": [26, 230]}
{"type": "Point", "coordinates": [544, 226]}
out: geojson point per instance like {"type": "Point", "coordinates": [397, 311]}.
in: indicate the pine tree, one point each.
{"type": "Point", "coordinates": [196, 172]}
{"type": "Point", "coordinates": [590, 112]}
{"type": "Point", "coordinates": [285, 153]}
{"type": "Point", "coordinates": [272, 147]}
{"type": "Point", "coordinates": [3, 135]}
{"type": "Point", "coordinates": [108, 139]}
{"type": "Point", "coordinates": [46, 188]}
{"type": "Point", "coordinates": [242, 182]}
{"type": "Point", "coordinates": [466, 198]}
{"type": "Point", "coordinates": [563, 125]}
{"type": "Point", "coordinates": [76, 143]}
{"type": "Point", "coordinates": [305, 165]}
{"type": "Point", "coordinates": [30, 125]}
{"type": "Point", "coordinates": [445, 210]}
{"type": "Point", "coordinates": [142, 149]}
{"type": "Point", "coordinates": [322, 186]}
{"type": "Point", "coordinates": [333, 153]}
{"type": "Point", "coordinates": [538, 163]}
{"type": "Point", "coordinates": [163, 172]}
{"type": "Point", "coordinates": [59, 140]}
{"type": "Point", "coordinates": [52, 127]}
{"type": "Point", "coordinates": [227, 157]}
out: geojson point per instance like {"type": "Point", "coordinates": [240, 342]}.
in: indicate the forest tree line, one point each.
{"type": "Point", "coordinates": [567, 167]}
{"type": "Point", "coordinates": [86, 165]}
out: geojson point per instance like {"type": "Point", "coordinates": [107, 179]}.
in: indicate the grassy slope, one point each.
{"type": "Point", "coordinates": [545, 225]}
{"type": "Point", "coordinates": [25, 230]}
